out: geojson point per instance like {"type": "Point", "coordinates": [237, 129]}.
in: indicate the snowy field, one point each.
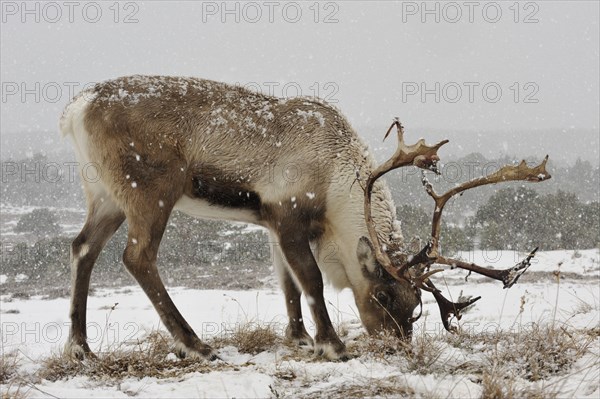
{"type": "Point", "coordinates": [541, 338]}
{"type": "Point", "coordinates": [503, 81]}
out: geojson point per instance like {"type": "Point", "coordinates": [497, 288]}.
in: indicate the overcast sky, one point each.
{"type": "Point", "coordinates": [373, 58]}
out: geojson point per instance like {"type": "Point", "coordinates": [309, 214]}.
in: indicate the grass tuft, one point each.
{"type": "Point", "coordinates": [153, 356]}
{"type": "Point", "coordinates": [496, 386]}
{"type": "Point", "coordinates": [380, 346]}
{"type": "Point", "coordinates": [539, 352]}
{"type": "Point", "coordinates": [150, 357]}
{"type": "Point", "coordinates": [424, 353]}
{"type": "Point", "coordinates": [13, 386]}
{"type": "Point", "coordinates": [250, 338]}
{"type": "Point", "coordinates": [8, 365]}
{"type": "Point", "coordinates": [366, 387]}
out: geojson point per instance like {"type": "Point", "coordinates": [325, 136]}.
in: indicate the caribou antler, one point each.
{"type": "Point", "coordinates": [420, 155]}
{"type": "Point", "coordinates": [506, 173]}
{"type": "Point", "coordinates": [522, 172]}
{"type": "Point", "coordinates": [509, 276]}
{"type": "Point", "coordinates": [425, 157]}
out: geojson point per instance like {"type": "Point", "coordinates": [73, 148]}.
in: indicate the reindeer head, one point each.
{"type": "Point", "coordinates": [397, 278]}
{"type": "Point", "coordinates": [389, 303]}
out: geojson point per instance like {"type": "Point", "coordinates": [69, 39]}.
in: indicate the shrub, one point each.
{"type": "Point", "coordinates": [40, 222]}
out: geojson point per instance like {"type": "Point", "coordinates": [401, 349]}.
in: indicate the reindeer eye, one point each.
{"type": "Point", "coordinates": [382, 297]}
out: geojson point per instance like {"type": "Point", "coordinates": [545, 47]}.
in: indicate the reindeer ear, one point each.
{"type": "Point", "coordinates": [366, 258]}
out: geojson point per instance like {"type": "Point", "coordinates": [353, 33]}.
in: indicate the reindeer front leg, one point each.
{"type": "Point", "coordinates": [295, 332]}
{"type": "Point", "coordinates": [296, 249]}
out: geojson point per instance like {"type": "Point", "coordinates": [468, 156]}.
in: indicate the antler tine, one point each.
{"type": "Point", "coordinates": [447, 307]}
{"type": "Point", "coordinates": [522, 172]}
{"type": "Point", "coordinates": [508, 276]}
{"type": "Point", "coordinates": [421, 280]}
{"type": "Point", "coordinates": [421, 258]}
{"type": "Point", "coordinates": [420, 155]}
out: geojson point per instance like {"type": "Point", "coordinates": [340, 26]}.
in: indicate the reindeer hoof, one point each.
{"type": "Point", "coordinates": [198, 350]}
{"type": "Point", "coordinates": [335, 351]}
{"type": "Point", "coordinates": [298, 337]}
{"type": "Point", "coordinates": [78, 351]}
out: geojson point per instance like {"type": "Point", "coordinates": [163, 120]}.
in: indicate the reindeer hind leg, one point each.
{"type": "Point", "coordinates": [103, 219]}
{"type": "Point", "coordinates": [147, 220]}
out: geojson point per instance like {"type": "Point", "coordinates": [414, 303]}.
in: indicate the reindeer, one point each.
{"type": "Point", "coordinates": [294, 166]}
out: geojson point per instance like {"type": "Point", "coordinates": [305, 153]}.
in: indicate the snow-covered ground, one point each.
{"type": "Point", "coordinates": [37, 328]}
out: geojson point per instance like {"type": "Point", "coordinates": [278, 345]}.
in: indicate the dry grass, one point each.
{"type": "Point", "coordinates": [424, 353]}
{"type": "Point", "coordinates": [367, 388]}
{"type": "Point", "coordinates": [13, 387]}
{"type": "Point", "coordinates": [522, 364]}
{"type": "Point", "coordinates": [8, 365]}
{"type": "Point", "coordinates": [539, 352]}
{"type": "Point", "coordinates": [15, 390]}
{"type": "Point", "coordinates": [494, 386]}
{"type": "Point", "coordinates": [593, 332]}
{"type": "Point", "coordinates": [420, 355]}
{"type": "Point", "coordinates": [153, 357]}
{"type": "Point", "coordinates": [508, 365]}
{"type": "Point", "coordinates": [498, 384]}
{"type": "Point", "coordinates": [381, 346]}
{"type": "Point", "coordinates": [534, 353]}
{"type": "Point", "coordinates": [148, 358]}
{"type": "Point", "coordinates": [250, 338]}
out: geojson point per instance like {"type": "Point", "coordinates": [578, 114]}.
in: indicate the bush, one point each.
{"type": "Point", "coordinates": [40, 181]}
{"type": "Point", "coordinates": [522, 219]}
{"type": "Point", "coordinates": [40, 222]}
{"type": "Point", "coordinates": [416, 223]}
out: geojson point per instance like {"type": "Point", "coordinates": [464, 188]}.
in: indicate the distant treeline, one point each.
{"type": "Point", "coordinates": [581, 179]}
{"type": "Point", "coordinates": [40, 181]}
{"type": "Point", "coordinates": [559, 213]}
{"type": "Point", "coordinates": [514, 218]}
{"type": "Point", "coordinates": [193, 252]}
{"type": "Point", "coordinates": [214, 254]}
